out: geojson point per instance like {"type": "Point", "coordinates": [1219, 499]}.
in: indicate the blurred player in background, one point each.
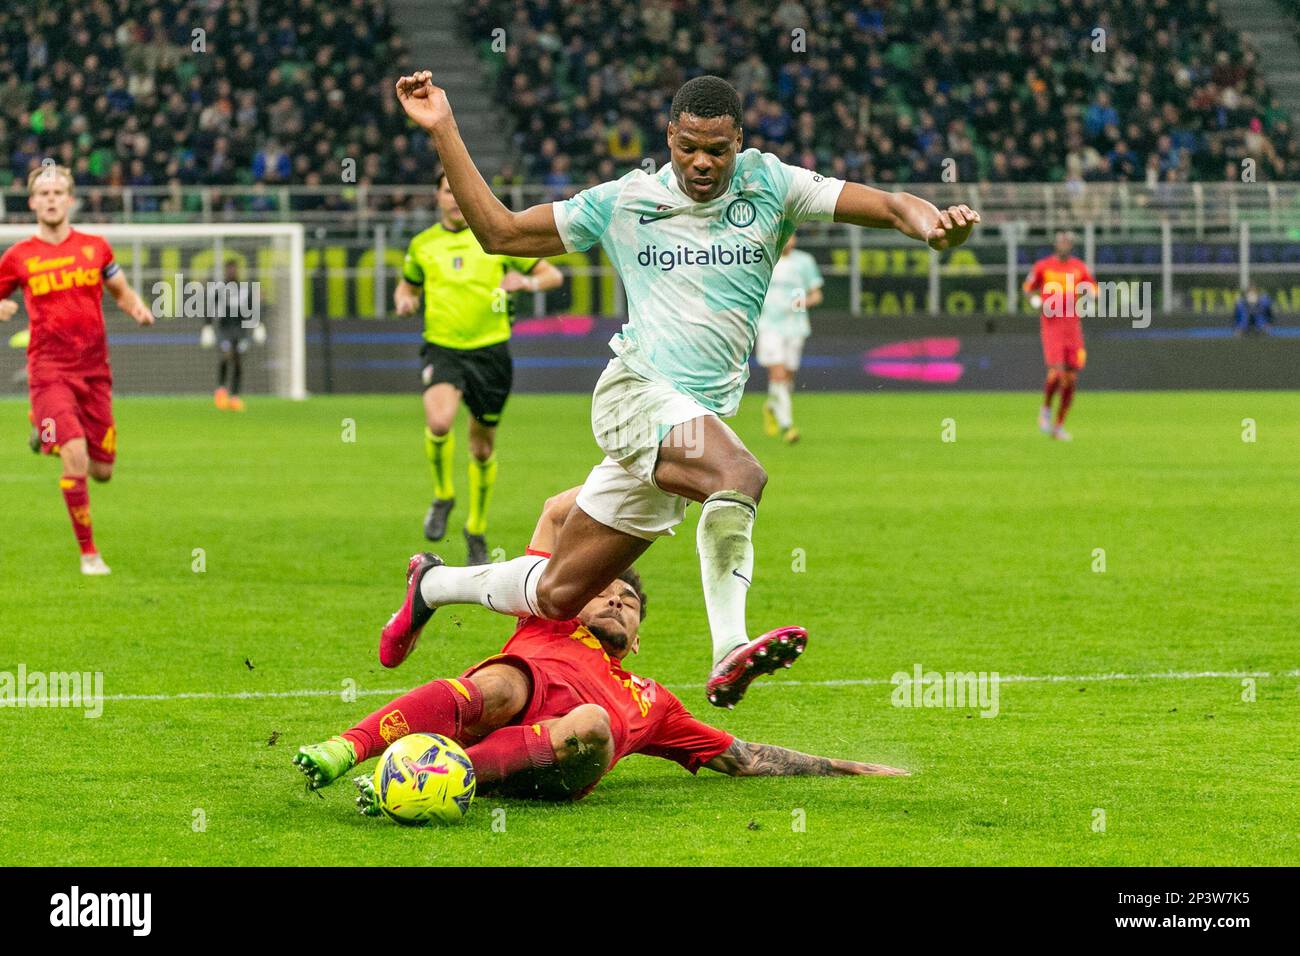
{"type": "Point", "coordinates": [694, 244]}
{"type": "Point", "coordinates": [1253, 312]}
{"type": "Point", "coordinates": [63, 274]}
{"type": "Point", "coordinates": [552, 713]}
{"type": "Point", "coordinates": [1053, 285]}
{"type": "Point", "coordinates": [231, 334]}
{"type": "Point", "coordinates": [466, 355]}
{"type": "Point", "coordinates": [783, 328]}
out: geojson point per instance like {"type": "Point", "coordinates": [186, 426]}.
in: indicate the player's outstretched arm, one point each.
{"type": "Point", "coordinates": [744, 759]}
{"type": "Point", "coordinates": [498, 230]}
{"type": "Point", "coordinates": [911, 215]}
{"type": "Point", "coordinates": [127, 300]}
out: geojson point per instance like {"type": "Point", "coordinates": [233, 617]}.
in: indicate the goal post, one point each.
{"type": "Point", "coordinates": [244, 275]}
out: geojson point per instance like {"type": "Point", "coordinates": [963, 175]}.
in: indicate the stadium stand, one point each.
{"type": "Point", "coordinates": [887, 91]}
{"type": "Point", "coordinates": [155, 93]}
{"type": "Point", "coordinates": [246, 96]}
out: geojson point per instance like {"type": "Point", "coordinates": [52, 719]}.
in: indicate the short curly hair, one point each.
{"type": "Point", "coordinates": [706, 97]}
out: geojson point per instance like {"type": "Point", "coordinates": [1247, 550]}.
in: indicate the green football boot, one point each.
{"type": "Point", "coordinates": [367, 798]}
{"type": "Point", "coordinates": [324, 763]}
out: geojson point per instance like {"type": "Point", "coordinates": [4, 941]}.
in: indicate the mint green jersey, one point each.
{"type": "Point", "coordinates": [696, 274]}
{"type": "Point", "coordinates": [785, 310]}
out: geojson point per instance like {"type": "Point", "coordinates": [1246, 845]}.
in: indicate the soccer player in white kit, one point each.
{"type": "Point", "coordinates": [783, 328]}
{"type": "Point", "coordinates": [694, 244]}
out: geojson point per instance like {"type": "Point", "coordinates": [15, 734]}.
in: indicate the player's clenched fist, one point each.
{"type": "Point", "coordinates": [8, 309]}
{"type": "Point", "coordinates": [952, 228]}
{"type": "Point", "coordinates": [407, 302]}
{"type": "Point", "coordinates": [140, 312]}
{"type": "Point", "coordinates": [517, 281]}
{"type": "Point", "coordinates": [425, 103]}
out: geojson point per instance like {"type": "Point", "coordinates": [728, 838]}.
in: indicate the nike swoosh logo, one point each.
{"type": "Point", "coordinates": [488, 599]}
{"type": "Point", "coordinates": [742, 577]}
{"type": "Point", "coordinates": [645, 219]}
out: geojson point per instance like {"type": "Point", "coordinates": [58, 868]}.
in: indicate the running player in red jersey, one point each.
{"type": "Point", "coordinates": [63, 274]}
{"type": "Point", "coordinates": [551, 714]}
{"type": "Point", "coordinates": [1053, 284]}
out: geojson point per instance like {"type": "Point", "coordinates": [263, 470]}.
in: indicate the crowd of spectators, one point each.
{"type": "Point", "coordinates": [257, 93]}
{"type": "Point", "coordinates": [155, 93]}
{"type": "Point", "coordinates": [895, 90]}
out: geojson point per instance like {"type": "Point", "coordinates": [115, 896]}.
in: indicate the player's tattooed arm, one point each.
{"type": "Point", "coordinates": [498, 230]}
{"type": "Point", "coordinates": [911, 215]}
{"type": "Point", "coordinates": [745, 759]}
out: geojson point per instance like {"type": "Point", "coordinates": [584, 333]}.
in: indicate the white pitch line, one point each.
{"type": "Point", "coordinates": [255, 694]}
{"type": "Point", "coordinates": [842, 682]}
{"type": "Point", "coordinates": [1039, 678]}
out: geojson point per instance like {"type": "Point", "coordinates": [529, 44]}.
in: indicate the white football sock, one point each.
{"type": "Point", "coordinates": [782, 405]}
{"type": "Point", "coordinates": [726, 566]}
{"type": "Point", "coordinates": [509, 587]}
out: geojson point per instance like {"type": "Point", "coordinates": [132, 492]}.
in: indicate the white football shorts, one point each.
{"type": "Point", "coordinates": [630, 416]}
{"type": "Point", "coordinates": [777, 348]}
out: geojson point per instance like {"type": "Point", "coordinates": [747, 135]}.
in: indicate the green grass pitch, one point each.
{"type": "Point", "coordinates": [894, 547]}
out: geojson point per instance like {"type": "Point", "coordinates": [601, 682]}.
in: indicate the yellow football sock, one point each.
{"type": "Point", "coordinates": [439, 449]}
{"type": "Point", "coordinates": [482, 479]}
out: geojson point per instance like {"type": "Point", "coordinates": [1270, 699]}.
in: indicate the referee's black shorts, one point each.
{"type": "Point", "coordinates": [483, 376]}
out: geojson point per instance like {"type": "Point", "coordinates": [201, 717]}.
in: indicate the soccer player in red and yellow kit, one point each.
{"type": "Point", "coordinates": [63, 274]}
{"type": "Point", "coordinates": [1056, 280]}
{"type": "Point", "coordinates": [551, 714]}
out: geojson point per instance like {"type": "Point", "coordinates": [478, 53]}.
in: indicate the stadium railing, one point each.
{"type": "Point", "coordinates": [1110, 206]}
{"type": "Point", "coordinates": [1195, 244]}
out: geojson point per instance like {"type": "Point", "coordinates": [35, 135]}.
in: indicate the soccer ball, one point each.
{"type": "Point", "coordinates": [424, 778]}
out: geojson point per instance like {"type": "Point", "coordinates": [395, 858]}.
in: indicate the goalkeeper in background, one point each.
{"type": "Point", "coordinates": [229, 332]}
{"type": "Point", "coordinates": [466, 355]}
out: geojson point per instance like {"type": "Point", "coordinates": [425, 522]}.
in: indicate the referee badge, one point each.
{"type": "Point", "coordinates": [458, 263]}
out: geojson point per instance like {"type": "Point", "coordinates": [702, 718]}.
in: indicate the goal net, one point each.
{"type": "Point", "coordinates": [235, 277]}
